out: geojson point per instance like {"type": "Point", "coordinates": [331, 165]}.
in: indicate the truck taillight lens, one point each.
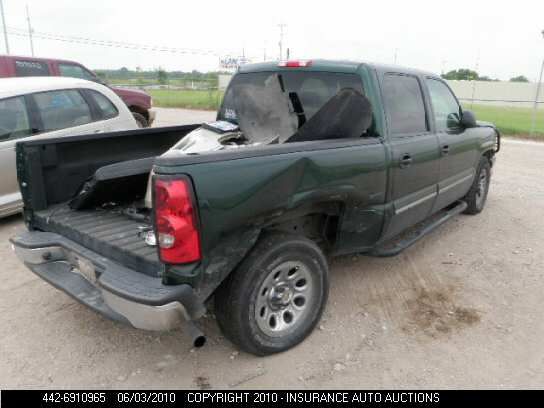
{"type": "Point", "coordinates": [176, 221]}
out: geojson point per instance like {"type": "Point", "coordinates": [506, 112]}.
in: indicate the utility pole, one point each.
{"type": "Point", "coordinates": [474, 79]}
{"type": "Point", "coordinates": [443, 68]}
{"type": "Point", "coordinates": [537, 96]}
{"type": "Point", "coordinates": [395, 58]}
{"type": "Point", "coordinates": [281, 26]}
{"type": "Point", "coordinates": [4, 25]}
{"type": "Point", "coordinates": [29, 31]}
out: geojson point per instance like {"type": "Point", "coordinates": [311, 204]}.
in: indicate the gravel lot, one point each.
{"type": "Point", "coordinates": [462, 308]}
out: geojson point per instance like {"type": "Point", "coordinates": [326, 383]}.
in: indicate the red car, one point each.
{"type": "Point", "coordinates": [137, 101]}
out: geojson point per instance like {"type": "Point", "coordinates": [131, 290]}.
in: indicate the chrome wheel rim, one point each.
{"type": "Point", "coordinates": [482, 189]}
{"type": "Point", "coordinates": [284, 298]}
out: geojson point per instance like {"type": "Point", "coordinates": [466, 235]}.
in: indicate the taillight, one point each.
{"type": "Point", "coordinates": [295, 63]}
{"type": "Point", "coordinates": [176, 221]}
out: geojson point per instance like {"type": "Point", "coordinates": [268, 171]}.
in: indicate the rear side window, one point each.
{"type": "Point", "coordinates": [106, 107]}
{"type": "Point", "coordinates": [14, 120]}
{"type": "Point", "coordinates": [31, 68]}
{"type": "Point", "coordinates": [404, 102]}
{"type": "Point", "coordinates": [62, 109]}
{"type": "Point", "coordinates": [75, 71]}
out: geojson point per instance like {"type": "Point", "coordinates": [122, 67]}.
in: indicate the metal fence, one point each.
{"type": "Point", "coordinates": [519, 94]}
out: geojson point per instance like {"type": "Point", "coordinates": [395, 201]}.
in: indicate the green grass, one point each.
{"type": "Point", "coordinates": [510, 120]}
{"type": "Point", "coordinates": [188, 99]}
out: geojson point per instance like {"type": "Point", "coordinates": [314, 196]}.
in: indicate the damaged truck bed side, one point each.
{"type": "Point", "coordinates": [307, 160]}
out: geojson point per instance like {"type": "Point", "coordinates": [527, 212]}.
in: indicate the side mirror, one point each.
{"type": "Point", "coordinates": [468, 120]}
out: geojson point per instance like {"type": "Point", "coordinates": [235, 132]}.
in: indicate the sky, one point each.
{"type": "Point", "coordinates": [500, 39]}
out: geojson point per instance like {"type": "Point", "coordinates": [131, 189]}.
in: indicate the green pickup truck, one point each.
{"type": "Point", "coordinates": [307, 160]}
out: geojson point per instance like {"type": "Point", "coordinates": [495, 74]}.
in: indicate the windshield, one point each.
{"type": "Point", "coordinates": [312, 89]}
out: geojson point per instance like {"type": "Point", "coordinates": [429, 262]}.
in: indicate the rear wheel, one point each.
{"type": "Point", "coordinates": [477, 195]}
{"type": "Point", "coordinates": [140, 120]}
{"type": "Point", "coordinates": [276, 296]}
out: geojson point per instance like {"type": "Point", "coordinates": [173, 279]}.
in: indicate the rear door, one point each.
{"type": "Point", "coordinates": [458, 146]}
{"type": "Point", "coordinates": [65, 112]}
{"type": "Point", "coordinates": [16, 124]}
{"type": "Point", "coordinates": [414, 150]}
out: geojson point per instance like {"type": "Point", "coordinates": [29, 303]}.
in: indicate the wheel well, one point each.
{"type": "Point", "coordinates": [320, 227]}
{"type": "Point", "coordinates": [489, 155]}
{"type": "Point", "coordinates": [141, 111]}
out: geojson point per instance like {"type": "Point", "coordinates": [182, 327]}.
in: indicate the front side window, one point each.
{"type": "Point", "coordinates": [25, 68]}
{"type": "Point", "coordinates": [14, 122]}
{"type": "Point", "coordinates": [404, 102]}
{"type": "Point", "coordinates": [75, 71]}
{"type": "Point", "coordinates": [445, 106]}
{"type": "Point", "coordinates": [62, 109]}
{"type": "Point", "coordinates": [106, 107]}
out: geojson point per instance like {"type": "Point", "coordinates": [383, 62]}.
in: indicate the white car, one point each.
{"type": "Point", "coordinates": [37, 107]}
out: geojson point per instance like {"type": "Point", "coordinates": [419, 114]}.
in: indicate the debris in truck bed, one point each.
{"type": "Point", "coordinates": [104, 185]}
{"type": "Point", "coordinates": [264, 112]}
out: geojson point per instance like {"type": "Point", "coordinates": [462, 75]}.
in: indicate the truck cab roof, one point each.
{"type": "Point", "coordinates": [325, 65]}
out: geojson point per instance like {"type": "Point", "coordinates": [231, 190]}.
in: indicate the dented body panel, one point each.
{"type": "Point", "coordinates": [259, 191]}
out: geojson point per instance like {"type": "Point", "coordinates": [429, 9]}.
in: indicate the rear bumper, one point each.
{"type": "Point", "coordinates": [110, 289]}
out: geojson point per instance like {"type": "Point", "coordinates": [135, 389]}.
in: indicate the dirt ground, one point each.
{"type": "Point", "coordinates": [461, 308]}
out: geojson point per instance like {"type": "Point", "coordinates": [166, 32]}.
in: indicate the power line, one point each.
{"type": "Point", "coordinates": [19, 32]}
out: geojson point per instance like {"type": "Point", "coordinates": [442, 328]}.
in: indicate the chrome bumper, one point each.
{"type": "Point", "coordinates": [106, 287]}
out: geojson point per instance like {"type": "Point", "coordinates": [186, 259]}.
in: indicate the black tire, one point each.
{"type": "Point", "coordinates": [477, 195]}
{"type": "Point", "coordinates": [140, 120]}
{"type": "Point", "coordinates": [236, 301]}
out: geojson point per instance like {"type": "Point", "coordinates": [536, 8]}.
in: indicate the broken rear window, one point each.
{"type": "Point", "coordinates": [313, 89]}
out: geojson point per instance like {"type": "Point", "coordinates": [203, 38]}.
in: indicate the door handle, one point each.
{"type": "Point", "coordinates": [405, 161]}
{"type": "Point", "coordinates": [98, 131]}
{"type": "Point", "coordinates": [445, 150]}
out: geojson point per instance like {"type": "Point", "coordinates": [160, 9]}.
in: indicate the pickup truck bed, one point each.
{"type": "Point", "coordinates": [108, 232]}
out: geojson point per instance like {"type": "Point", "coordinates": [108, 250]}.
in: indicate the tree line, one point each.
{"type": "Point", "coordinates": [159, 75]}
{"type": "Point", "coordinates": [464, 74]}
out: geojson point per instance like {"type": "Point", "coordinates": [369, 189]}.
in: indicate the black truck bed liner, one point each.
{"type": "Point", "coordinates": [107, 232]}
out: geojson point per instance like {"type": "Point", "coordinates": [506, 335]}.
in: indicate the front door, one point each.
{"type": "Point", "coordinates": [458, 146]}
{"type": "Point", "coordinates": [414, 153]}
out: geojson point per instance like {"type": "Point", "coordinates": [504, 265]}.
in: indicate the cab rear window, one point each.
{"type": "Point", "coordinates": [313, 89]}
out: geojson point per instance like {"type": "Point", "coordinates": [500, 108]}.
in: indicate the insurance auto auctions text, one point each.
{"type": "Point", "coordinates": [313, 397]}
